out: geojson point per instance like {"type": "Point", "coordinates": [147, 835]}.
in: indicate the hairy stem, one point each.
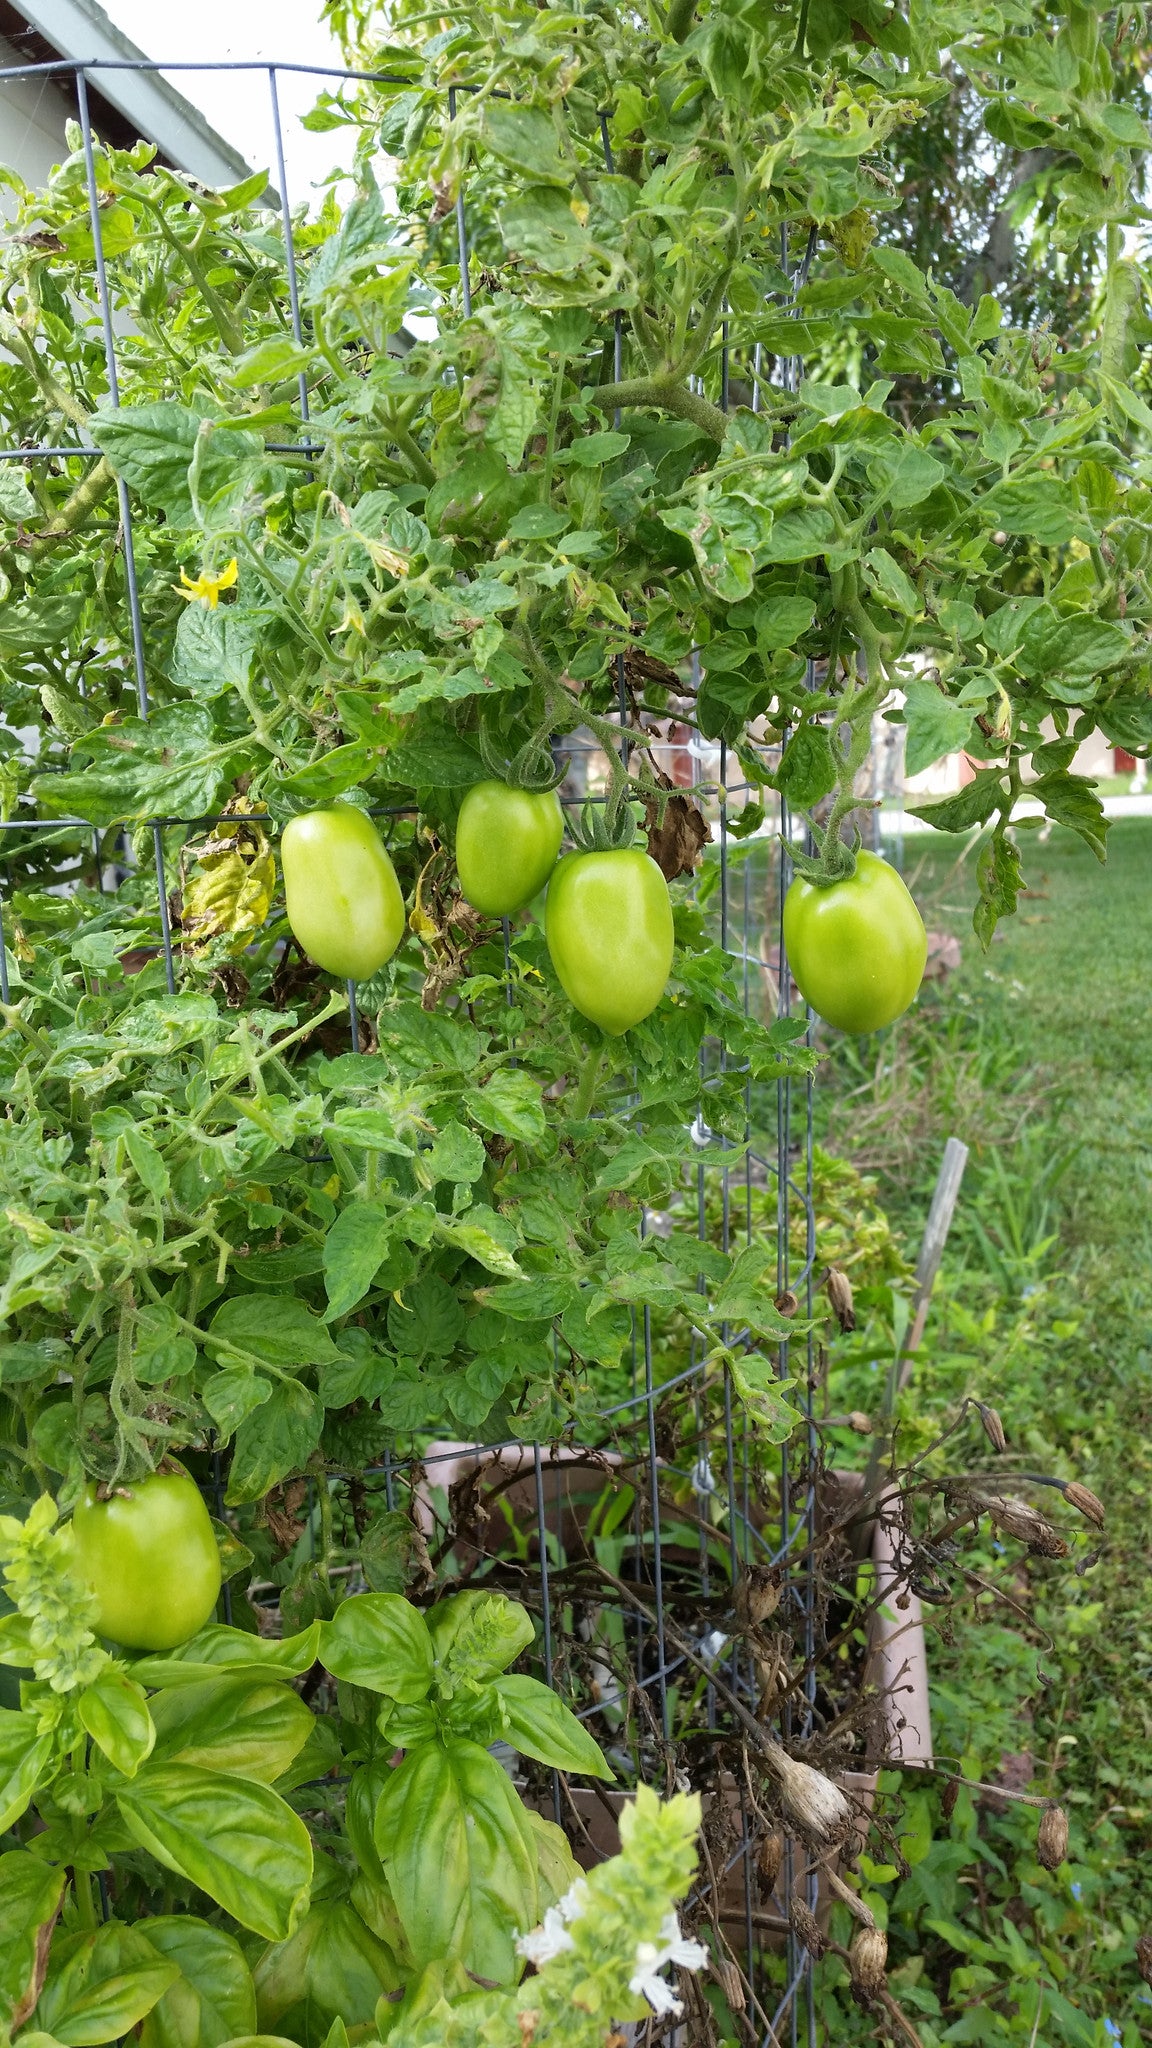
{"type": "Point", "coordinates": [679, 20]}
{"type": "Point", "coordinates": [669, 395]}
{"type": "Point", "coordinates": [75, 509]}
{"type": "Point", "coordinates": [586, 1086]}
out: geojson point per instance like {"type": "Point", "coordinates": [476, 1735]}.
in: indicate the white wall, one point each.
{"type": "Point", "coordinates": [32, 116]}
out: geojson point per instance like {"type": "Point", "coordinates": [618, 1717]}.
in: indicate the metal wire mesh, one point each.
{"type": "Point", "coordinates": [641, 1655]}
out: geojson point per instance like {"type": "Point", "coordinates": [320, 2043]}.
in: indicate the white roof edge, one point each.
{"type": "Point", "coordinates": [81, 29]}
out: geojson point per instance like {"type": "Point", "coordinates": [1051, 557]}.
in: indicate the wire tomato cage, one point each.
{"type": "Point", "coordinates": [630, 1655]}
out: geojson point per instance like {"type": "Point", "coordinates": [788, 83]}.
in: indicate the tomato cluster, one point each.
{"type": "Point", "coordinates": [857, 946]}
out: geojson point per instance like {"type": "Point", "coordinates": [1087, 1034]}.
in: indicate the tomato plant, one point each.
{"type": "Point", "coordinates": [584, 505]}
{"type": "Point", "coordinates": [507, 841]}
{"type": "Point", "coordinates": [856, 946]}
{"type": "Point", "coordinates": [610, 936]}
{"type": "Point", "coordinates": [149, 1557]}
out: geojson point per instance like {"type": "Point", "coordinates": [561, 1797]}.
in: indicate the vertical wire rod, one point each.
{"type": "Point", "coordinates": [289, 239]}
{"type": "Point", "coordinates": [545, 1593]}
{"type": "Point", "coordinates": [657, 1561]}
{"type": "Point", "coordinates": [461, 227]}
{"type": "Point", "coordinates": [137, 623]}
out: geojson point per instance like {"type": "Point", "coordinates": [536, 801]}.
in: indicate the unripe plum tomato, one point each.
{"type": "Point", "coordinates": [150, 1557]}
{"type": "Point", "coordinates": [507, 841]}
{"type": "Point", "coordinates": [856, 947]}
{"type": "Point", "coordinates": [343, 899]}
{"type": "Point", "coordinates": [608, 923]}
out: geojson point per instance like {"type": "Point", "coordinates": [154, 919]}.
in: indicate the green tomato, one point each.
{"type": "Point", "coordinates": [857, 947]}
{"type": "Point", "coordinates": [506, 845]}
{"type": "Point", "coordinates": [343, 899]}
{"type": "Point", "coordinates": [608, 922]}
{"type": "Point", "coordinates": [149, 1554]}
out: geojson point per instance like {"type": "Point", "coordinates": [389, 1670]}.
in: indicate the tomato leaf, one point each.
{"type": "Point", "coordinates": [354, 1250]}
{"type": "Point", "coordinates": [973, 805]}
{"type": "Point", "coordinates": [762, 1392]}
{"type": "Point", "coordinates": [274, 1441]}
{"type": "Point", "coordinates": [509, 1103]}
{"type": "Point", "coordinates": [936, 725]}
{"type": "Point", "coordinates": [280, 1333]}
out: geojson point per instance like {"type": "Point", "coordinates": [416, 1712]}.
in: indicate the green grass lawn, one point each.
{"type": "Point", "coordinates": [1071, 978]}
{"type": "Point", "coordinates": [1039, 1055]}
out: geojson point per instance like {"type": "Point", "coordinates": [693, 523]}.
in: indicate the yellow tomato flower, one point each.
{"type": "Point", "coordinates": [205, 587]}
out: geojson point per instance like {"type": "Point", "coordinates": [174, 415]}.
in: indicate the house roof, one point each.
{"type": "Point", "coordinates": [125, 103]}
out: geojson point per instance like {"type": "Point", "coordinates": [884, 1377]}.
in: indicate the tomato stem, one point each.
{"type": "Point", "coordinates": [586, 1086]}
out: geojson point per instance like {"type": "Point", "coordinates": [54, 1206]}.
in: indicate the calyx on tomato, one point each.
{"type": "Point", "coordinates": [507, 841]}
{"type": "Point", "coordinates": [342, 896]}
{"type": "Point", "coordinates": [149, 1556]}
{"type": "Point", "coordinates": [608, 923]}
{"type": "Point", "coordinates": [856, 946]}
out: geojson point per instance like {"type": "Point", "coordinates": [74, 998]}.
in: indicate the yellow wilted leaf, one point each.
{"type": "Point", "coordinates": [229, 882]}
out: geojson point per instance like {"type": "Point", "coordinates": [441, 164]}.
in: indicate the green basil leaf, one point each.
{"type": "Point", "coordinates": [236, 1841]}
{"type": "Point", "coordinates": [24, 1752]}
{"type": "Point", "coordinates": [101, 1984]}
{"type": "Point", "coordinates": [475, 1635]}
{"type": "Point", "coordinates": [212, 1999]}
{"type": "Point", "coordinates": [332, 1967]}
{"type": "Point", "coordinates": [459, 1858]}
{"type": "Point", "coordinates": [379, 1641]}
{"type": "Point", "coordinates": [29, 1896]}
{"type": "Point", "coordinates": [245, 1729]}
{"type": "Point", "coordinates": [115, 1713]}
{"type": "Point", "coordinates": [538, 1724]}
{"type": "Point", "coordinates": [233, 1651]}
